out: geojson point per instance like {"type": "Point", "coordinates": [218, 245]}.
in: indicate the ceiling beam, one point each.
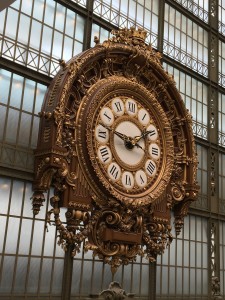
{"type": "Point", "coordinates": [5, 3]}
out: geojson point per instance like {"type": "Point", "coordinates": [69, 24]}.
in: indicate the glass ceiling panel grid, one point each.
{"type": "Point", "coordinates": [199, 8]}
{"type": "Point", "coordinates": [20, 102]}
{"type": "Point", "coordinates": [182, 271]}
{"type": "Point", "coordinates": [194, 94]}
{"type": "Point", "coordinates": [221, 119]}
{"type": "Point", "coordinates": [185, 41]}
{"type": "Point", "coordinates": [80, 2]}
{"type": "Point", "coordinates": [38, 33]}
{"type": "Point", "coordinates": [221, 182]}
{"type": "Point", "coordinates": [128, 13]}
{"type": "Point", "coordinates": [221, 17]}
{"type": "Point", "coordinates": [221, 73]}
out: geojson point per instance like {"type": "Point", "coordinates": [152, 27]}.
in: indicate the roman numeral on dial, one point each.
{"type": "Point", "coordinates": [101, 134]}
{"type": "Point", "coordinates": [150, 167]}
{"type": "Point", "coordinates": [154, 151]}
{"type": "Point", "coordinates": [131, 107]}
{"type": "Point", "coordinates": [143, 116]}
{"type": "Point", "coordinates": [104, 154]}
{"type": "Point", "coordinates": [114, 171]}
{"type": "Point", "coordinates": [117, 106]}
{"type": "Point", "coordinates": [107, 116]}
{"type": "Point", "coordinates": [141, 178]}
{"type": "Point", "coordinates": [128, 180]}
{"type": "Point", "coordinates": [153, 133]}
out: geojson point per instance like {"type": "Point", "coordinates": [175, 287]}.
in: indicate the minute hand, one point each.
{"type": "Point", "coordinates": [139, 137]}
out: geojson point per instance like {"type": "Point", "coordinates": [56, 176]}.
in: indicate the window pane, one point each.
{"type": "Point", "coordinates": [24, 26]}
{"type": "Point", "coordinates": [5, 78]}
{"type": "Point", "coordinates": [12, 125]}
{"type": "Point", "coordinates": [11, 24]}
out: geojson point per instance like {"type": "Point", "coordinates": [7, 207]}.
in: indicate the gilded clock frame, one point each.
{"type": "Point", "coordinates": [100, 93]}
{"type": "Point", "coordinates": [116, 227]}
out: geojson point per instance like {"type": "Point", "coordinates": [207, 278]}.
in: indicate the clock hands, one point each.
{"type": "Point", "coordinates": [129, 142]}
{"type": "Point", "coordinates": [144, 133]}
{"type": "Point", "coordinates": [119, 134]}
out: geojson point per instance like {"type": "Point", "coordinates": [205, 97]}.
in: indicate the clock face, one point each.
{"type": "Point", "coordinates": [127, 144]}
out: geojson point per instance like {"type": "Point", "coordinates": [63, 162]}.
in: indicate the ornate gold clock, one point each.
{"type": "Point", "coordinates": [126, 137]}
{"type": "Point", "coordinates": [116, 143]}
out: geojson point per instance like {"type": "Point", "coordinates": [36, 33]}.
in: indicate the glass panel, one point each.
{"type": "Point", "coordinates": [34, 134]}
{"type": "Point", "coordinates": [33, 275]}
{"type": "Point", "coordinates": [5, 78]}
{"type": "Point", "coordinates": [179, 283]}
{"type": "Point", "coordinates": [2, 121]}
{"type": "Point", "coordinates": [40, 93]}
{"type": "Point", "coordinates": [24, 27]}
{"type": "Point", "coordinates": [20, 275]}
{"type": "Point", "coordinates": [46, 273]}
{"type": "Point", "coordinates": [2, 20]}
{"type": "Point", "coordinates": [7, 274]}
{"type": "Point", "coordinates": [164, 289]}
{"type": "Point", "coordinates": [28, 95]}
{"type": "Point", "coordinates": [37, 237]}
{"type": "Point", "coordinates": [5, 185]}
{"type": "Point", "coordinates": [25, 236]}
{"type": "Point", "coordinates": [2, 232]}
{"type": "Point", "coordinates": [49, 12]}
{"type": "Point", "coordinates": [46, 39]}
{"type": "Point", "coordinates": [26, 7]}
{"type": "Point", "coordinates": [136, 279]}
{"type": "Point", "coordinates": [57, 45]}
{"type": "Point", "coordinates": [60, 17]}
{"type": "Point", "coordinates": [70, 23]}
{"type": "Point", "coordinates": [16, 91]}
{"type": "Point", "coordinates": [75, 289]}
{"type": "Point", "coordinates": [97, 277]}
{"type": "Point", "coordinates": [127, 275]}
{"type": "Point", "coordinates": [50, 241]}
{"type": "Point", "coordinates": [35, 35]}
{"type": "Point", "coordinates": [27, 212]}
{"type": "Point", "coordinates": [67, 49]}
{"type": "Point", "coordinates": [12, 235]}
{"type": "Point", "coordinates": [86, 278]}
{"type": "Point", "coordinates": [57, 276]}
{"type": "Point", "coordinates": [11, 24]}
{"type": "Point", "coordinates": [24, 130]}
{"type": "Point", "coordinates": [16, 198]}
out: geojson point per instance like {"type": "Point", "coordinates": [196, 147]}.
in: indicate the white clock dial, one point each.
{"type": "Point", "coordinates": [131, 107]}
{"type": "Point", "coordinates": [101, 134]}
{"type": "Point", "coordinates": [141, 178]}
{"type": "Point", "coordinates": [104, 154]}
{"type": "Point", "coordinates": [107, 116]}
{"type": "Point", "coordinates": [150, 167]}
{"type": "Point", "coordinates": [128, 180]}
{"type": "Point", "coordinates": [114, 171]}
{"type": "Point", "coordinates": [153, 133]}
{"type": "Point", "coordinates": [154, 151]}
{"type": "Point", "coordinates": [132, 156]}
{"type": "Point", "coordinates": [118, 106]}
{"type": "Point", "coordinates": [143, 116]}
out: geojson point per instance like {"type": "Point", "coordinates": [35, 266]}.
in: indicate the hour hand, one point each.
{"type": "Point", "coordinates": [119, 134]}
